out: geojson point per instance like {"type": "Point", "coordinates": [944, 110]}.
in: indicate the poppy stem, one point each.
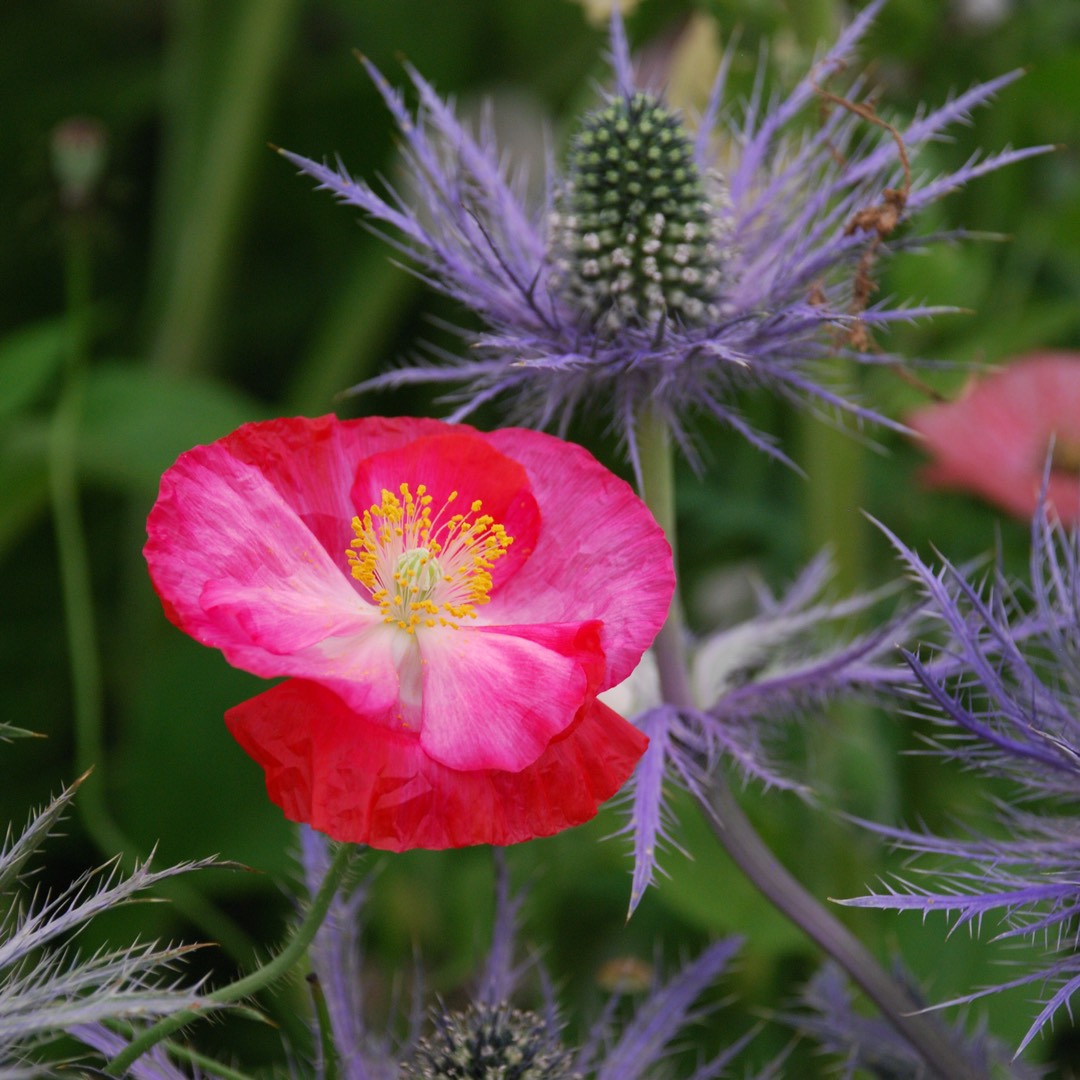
{"type": "Point", "coordinates": [738, 836]}
{"type": "Point", "coordinates": [258, 980]}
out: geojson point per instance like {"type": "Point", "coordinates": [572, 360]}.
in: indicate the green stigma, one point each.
{"type": "Point", "coordinates": [637, 237]}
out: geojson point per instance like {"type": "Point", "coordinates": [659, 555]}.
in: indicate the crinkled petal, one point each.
{"type": "Point", "coordinates": [495, 697]}
{"type": "Point", "coordinates": [466, 468]}
{"type": "Point", "coordinates": [238, 569]}
{"type": "Point", "coordinates": [600, 554]}
{"type": "Point", "coordinates": [312, 463]}
{"type": "Point", "coordinates": [362, 782]}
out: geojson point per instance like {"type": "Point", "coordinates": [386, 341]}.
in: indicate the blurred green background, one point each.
{"type": "Point", "coordinates": [202, 284]}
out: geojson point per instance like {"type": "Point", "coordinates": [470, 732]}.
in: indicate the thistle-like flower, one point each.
{"type": "Point", "coordinates": [751, 681]}
{"type": "Point", "coordinates": [46, 989]}
{"type": "Point", "coordinates": [1004, 691]}
{"type": "Point", "coordinates": [868, 1046]}
{"type": "Point", "coordinates": [491, 1039]}
{"type": "Point", "coordinates": [489, 1042]}
{"type": "Point", "coordinates": [667, 267]}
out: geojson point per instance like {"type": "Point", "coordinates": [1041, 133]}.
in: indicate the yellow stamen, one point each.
{"type": "Point", "coordinates": [423, 570]}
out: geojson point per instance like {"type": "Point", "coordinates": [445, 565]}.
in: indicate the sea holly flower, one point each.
{"type": "Point", "coordinates": [1004, 695]}
{"type": "Point", "coordinates": [492, 1035]}
{"type": "Point", "coordinates": [447, 605]}
{"type": "Point", "coordinates": [868, 1046]}
{"type": "Point", "coordinates": [994, 439]}
{"type": "Point", "coordinates": [665, 268]}
{"type": "Point", "coordinates": [751, 681]}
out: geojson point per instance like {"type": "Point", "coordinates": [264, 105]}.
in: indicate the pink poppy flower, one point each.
{"type": "Point", "coordinates": [995, 438]}
{"type": "Point", "coordinates": [447, 604]}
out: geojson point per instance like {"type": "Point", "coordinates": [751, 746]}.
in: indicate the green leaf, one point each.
{"type": "Point", "coordinates": [24, 491]}
{"type": "Point", "coordinates": [29, 359]}
{"type": "Point", "coordinates": [136, 422]}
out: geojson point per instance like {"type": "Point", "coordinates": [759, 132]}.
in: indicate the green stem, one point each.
{"type": "Point", "coordinates": [737, 835]}
{"type": "Point", "coordinates": [72, 549]}
{"type": "Point", "coordinates": [656, 458]}
{"type": "Point", "coordinates": [84, 656]}
{"type": "Point", "coordinates": [657, 482]}
{"type": "Point", "coordinates": [209, 1066]}
{"type": "Point", "coordinates": [194, 281]}
{"type": "Point", "coordinates": [258, 980]}
{"type": "Point", "coordinates": [74, 564]}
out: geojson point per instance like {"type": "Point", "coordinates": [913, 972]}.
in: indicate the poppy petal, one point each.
{"type": "Point", "coordinates": [237, 569]}
{"type": "Point", "coordinates": [458, 469]}
{"type": "Point", "coordinates": [359, 781]}
{"type": "Point", "coordinates": [995, 438]}
{"type": "Point", "coordinates": [600, 554]}
{"type": "Point", "coordinates": [495, 697]}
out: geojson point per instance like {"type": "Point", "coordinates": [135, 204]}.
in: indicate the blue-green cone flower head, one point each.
{"type": "Point", "coordinates": [489, 1042]}
{"type": "Point", "coordinates": [639, 235]}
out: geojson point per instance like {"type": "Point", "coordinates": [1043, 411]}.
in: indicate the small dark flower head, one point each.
{"type": "Point", "coordinates": [665, 269]}
{"type": "Point", "coordinates": [489, 1042]}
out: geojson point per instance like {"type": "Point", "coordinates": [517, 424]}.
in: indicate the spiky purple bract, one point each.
{"type": "Point", "coordinates": [1004, 693]}
{"type": "Point", "coordinates": [751, 682]}
{"type": "Point", "coordinates": [47, 987]}
{"type": "Point", "coordinates": [630, 1049]}
{"type": "Point", "coordinates": [796, 216]}
{"type": "Point", "coordinates": [868, 1046]}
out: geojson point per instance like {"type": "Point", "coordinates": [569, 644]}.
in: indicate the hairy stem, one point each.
{"type": "Point", "coordinates": [258, 980]}
{"type": "Point", "coordinates": [736, 833]}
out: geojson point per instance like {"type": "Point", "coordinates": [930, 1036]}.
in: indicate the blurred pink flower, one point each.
{"type": "Point", "coordinates": [995, 438]}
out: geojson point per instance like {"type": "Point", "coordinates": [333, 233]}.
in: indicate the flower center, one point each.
{"type": "Point", "coordinates": [424, 569]}
{"type": "Point", "coordinates": [487, 1041]}
{"type": "Point", "coordinates": [636, 235]}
